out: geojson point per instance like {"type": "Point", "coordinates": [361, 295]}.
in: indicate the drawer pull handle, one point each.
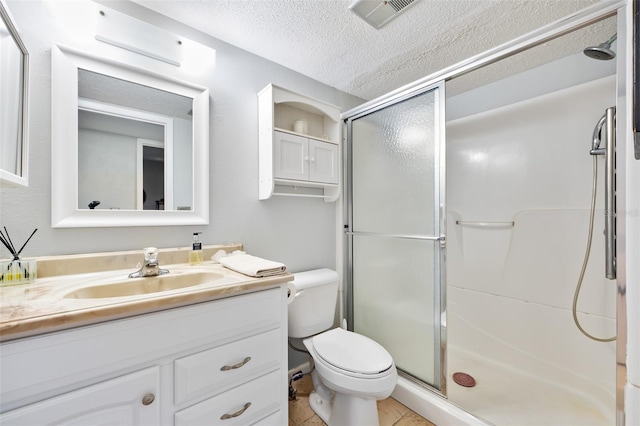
{"type": "Point", "coordinates": [237, 413]}
{"type": "Point", "coordinates": [148, 399]}
{"type": "Point", "coordinates": [235, 366]}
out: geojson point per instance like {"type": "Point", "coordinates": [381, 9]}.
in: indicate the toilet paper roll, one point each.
{"type": "Point", "coordinates": [291, 292]}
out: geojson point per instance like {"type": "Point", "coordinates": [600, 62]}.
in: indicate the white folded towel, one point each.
{"type": "Point", "coordinates": [252, 265]}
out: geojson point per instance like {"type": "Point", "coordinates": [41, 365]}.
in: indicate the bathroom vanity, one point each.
{"type": "Point", "coordinates": [206, 354]}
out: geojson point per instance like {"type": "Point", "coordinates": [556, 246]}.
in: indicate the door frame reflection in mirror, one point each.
{"type": "Point", "coordinates": [142, 163]}
{"type": "Point", "coordinates": [165, 122]}
{"type": "Point", "coordinates": [19, 175]}
{"type": "Point", "coordinates": [65, 213]}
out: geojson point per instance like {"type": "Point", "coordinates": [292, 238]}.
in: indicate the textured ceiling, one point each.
{"type": "Point", "coordinates": [325, 41]}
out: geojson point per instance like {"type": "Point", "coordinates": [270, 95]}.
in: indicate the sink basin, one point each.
{"type": "Point", "coordinates": [146, 285]}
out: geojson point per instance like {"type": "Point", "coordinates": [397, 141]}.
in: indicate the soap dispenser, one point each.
{"type": "Point", "coordinates": [195, 256]}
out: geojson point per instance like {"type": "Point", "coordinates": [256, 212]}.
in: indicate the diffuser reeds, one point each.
{"type": "Point", "coordinates": [16, 271]}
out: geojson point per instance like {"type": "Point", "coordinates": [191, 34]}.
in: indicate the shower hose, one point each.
{"type": "Point", "coordinates": [586, 259]}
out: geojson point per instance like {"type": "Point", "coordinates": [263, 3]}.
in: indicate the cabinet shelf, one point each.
{"type": "Point", "coordinates": [292, 163]}
{"type": "Point", "coordinates": [293, 188]}
{"type": "Point", "coordinates": [304, 135]}
{"type": "Point", "coordinates": [287, 194]}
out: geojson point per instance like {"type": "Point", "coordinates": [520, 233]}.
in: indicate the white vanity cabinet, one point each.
{"type": "Point", "coordinates": [218, 362]}
{"type": "Point", "coordinates": [298, 164]}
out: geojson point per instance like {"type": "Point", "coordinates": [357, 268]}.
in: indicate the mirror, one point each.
{"type": "Point", "coordinates": [134, 146]}
{"type": "Point", "coordinates": [129, 147]}
{"type": "Point", "coordinates": [14, 67]}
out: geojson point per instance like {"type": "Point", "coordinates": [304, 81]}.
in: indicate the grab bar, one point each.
{"type": "Point", "coordinates": [610, 194]}
{"type": "Point", "coordinates": [488, 224]}
{"type": "Point", "coordinates": [403, 236]}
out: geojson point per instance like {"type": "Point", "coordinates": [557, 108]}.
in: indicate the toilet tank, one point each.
{"type": "Point", "coordinates": [314, 306]}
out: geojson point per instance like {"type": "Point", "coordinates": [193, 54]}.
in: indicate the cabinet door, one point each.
{"type": "Point", "coordinates": [114, 402]}
{"type": "Point", "coordinates": [291, 156]}
{"type": "Point", "coordinates": [323, 162]}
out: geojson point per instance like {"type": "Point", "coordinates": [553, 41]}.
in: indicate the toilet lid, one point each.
{"type": "Point", "coordinates": [352, 352]}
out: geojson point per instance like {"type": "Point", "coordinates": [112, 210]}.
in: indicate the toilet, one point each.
{"type": "Point", "coordinates": [351, 371]}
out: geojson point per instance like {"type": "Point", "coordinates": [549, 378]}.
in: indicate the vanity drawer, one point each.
{"type": "Point", "coordinates": [244, 404]}
{"type": "Point", "coordinates": [271, 420]}
{"type": "Point", "coordinates": [221, 368]}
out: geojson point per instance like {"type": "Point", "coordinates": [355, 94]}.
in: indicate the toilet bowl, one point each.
{"type": "Point", "coordinates": [351, 371]}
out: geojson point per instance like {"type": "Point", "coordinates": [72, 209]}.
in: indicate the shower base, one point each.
{"type": "Point", "coordinates": [503, 397]}
{"type": "Point", "coordinates": [506, 396]}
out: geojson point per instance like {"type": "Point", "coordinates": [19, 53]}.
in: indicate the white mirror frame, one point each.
{"type": "Point", "coordinates": [65, 63]}
{"type": "Point", "coordinates": [7, 177]}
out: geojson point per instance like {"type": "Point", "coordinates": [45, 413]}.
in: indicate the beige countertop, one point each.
{"type": "Point", "coordinates": [41, 306]}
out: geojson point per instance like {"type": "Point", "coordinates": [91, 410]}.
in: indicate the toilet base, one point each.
{"type": "Point", "coordinates": [339, 409]}
{"type": "Point", "coordinates": [320, 406]}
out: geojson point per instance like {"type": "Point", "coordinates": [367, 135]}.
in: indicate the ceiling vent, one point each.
{"type": "Point", "coordinates": [378, 12]}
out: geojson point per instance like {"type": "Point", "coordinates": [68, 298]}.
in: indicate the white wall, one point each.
{"type": "Point", "coordinates": [528, 162]}
{"type": "Point", "coordinates": [106, 170]}
{"type": "Point", "coordinates": [182, 170]}
{"type": "Point", "coordinates": [298, 232]}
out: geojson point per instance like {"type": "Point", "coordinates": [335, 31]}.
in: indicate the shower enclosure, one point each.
{"type": "Point", "coordinates": [480, 280]}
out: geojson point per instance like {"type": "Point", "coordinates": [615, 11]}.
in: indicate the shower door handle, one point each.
{"type": "Point", "coordinates": [610, 193]}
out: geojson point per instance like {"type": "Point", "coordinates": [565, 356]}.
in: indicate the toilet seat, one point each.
{"type": "Point", "coordinates": [352, 354]}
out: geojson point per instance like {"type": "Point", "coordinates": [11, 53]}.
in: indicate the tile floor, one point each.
{"type": "Point", "coordinates": [390, 411]}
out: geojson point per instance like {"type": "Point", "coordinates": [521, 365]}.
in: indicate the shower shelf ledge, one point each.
{"type": "Point", "coordinates": [486, 224]}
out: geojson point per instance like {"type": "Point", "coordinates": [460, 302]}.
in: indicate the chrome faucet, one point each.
{"type": "Point", "coordinates": [150, 267]}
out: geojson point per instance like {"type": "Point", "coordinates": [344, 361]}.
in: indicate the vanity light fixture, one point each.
{"type": "Point", "coordinates": [137, 36]}
{"type": "Point", "coordinates": [378, 13]}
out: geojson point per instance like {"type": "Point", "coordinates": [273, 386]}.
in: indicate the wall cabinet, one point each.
{"type": "Point", "coordinates": [294, 163]}
{"type": "Point", "coordinates": [218, 362]}
{"type": "Point", "coordinates": [305, 159]}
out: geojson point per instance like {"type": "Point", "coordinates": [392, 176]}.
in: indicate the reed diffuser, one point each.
{"type": "Point", "coordinates": [16, 271]}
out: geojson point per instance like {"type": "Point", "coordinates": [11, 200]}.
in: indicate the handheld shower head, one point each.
{"type": "Point", "coordinates": [602, 51]}
{"type": "Point", "coordinates": [597, 137]}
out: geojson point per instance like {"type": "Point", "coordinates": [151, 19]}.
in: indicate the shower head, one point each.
{"type": "Point", "coordinates": [603, 51]}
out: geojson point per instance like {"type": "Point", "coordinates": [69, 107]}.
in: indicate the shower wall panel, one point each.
{"type": "Point", "coordinates": [511, 286]}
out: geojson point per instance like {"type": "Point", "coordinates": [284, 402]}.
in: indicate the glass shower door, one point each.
{"type": "Point", "coordinates": [395, 196]}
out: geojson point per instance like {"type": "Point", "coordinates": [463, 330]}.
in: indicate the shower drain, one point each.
{"type": "Point", "coordinates": [464, 379]}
